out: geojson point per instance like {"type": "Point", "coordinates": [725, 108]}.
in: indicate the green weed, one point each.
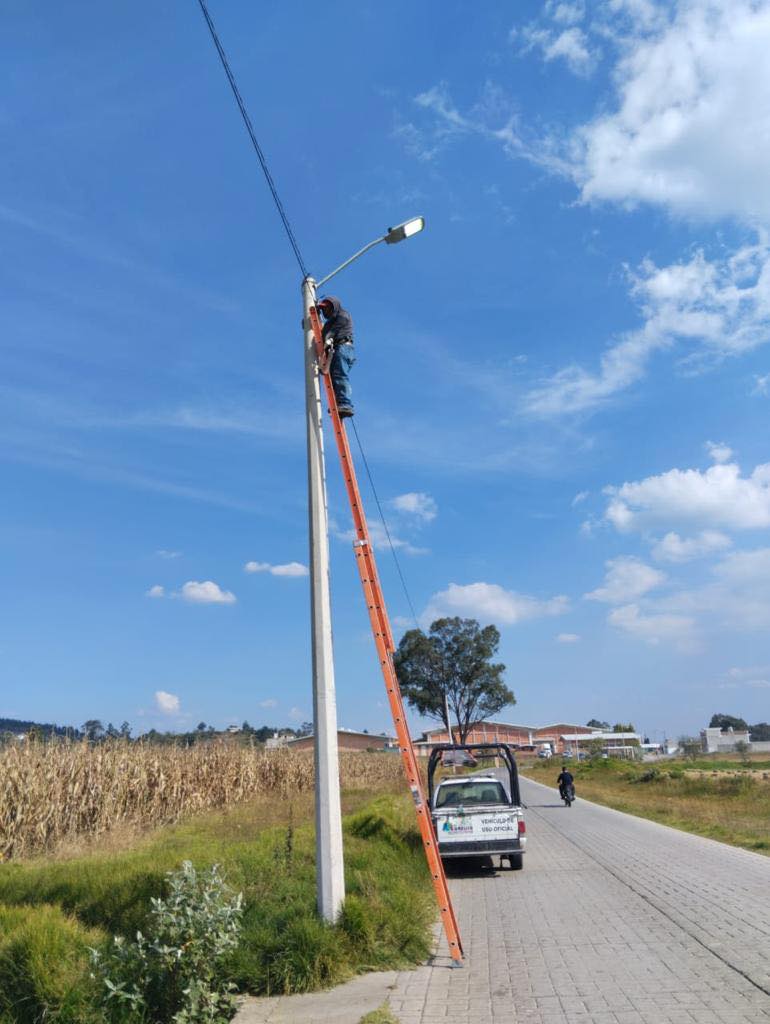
{"type": "Point", "coordinates": [283, 947]}
{"type": "Point", "coordinates": [44, 966]}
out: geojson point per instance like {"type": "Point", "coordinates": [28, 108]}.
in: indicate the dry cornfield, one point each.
{"type": "Point", "coordinates": [56, 792]}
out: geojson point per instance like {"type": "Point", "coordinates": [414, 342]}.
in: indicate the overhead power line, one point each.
{"type": "Point", "coordinates": [252, 135]}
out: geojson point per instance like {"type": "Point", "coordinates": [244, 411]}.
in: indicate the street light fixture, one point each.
{"type": "Point", "coordinates": [330, 870]}
{"type": "Point", "coordinates": [393, 235]}
{"type": "Point", "coordinates": [405, 230]}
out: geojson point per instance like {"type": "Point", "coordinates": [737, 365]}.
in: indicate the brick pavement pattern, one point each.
{"type": "Point", "coordinates": [614, 920]}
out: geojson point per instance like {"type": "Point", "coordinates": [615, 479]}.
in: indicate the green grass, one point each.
{"type": "Point", "coordinates": [701, 797]}
{"type": "Point", "coordinates": [70, 904]}
{"type": "Point", "coordinates": [43, 964]}
{"type": "Point", "coordinates": [382, 1015]}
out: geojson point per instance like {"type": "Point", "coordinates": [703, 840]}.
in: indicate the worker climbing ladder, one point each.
{"type": "Point", "coordinates": [383, 638]}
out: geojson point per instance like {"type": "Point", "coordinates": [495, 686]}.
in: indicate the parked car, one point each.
{"type": "Point", "coordinates": [475, 815]}
{"type": "Point", "coordinates": [544, 754]}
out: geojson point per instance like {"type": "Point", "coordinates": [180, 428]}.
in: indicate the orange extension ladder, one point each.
{"type": "Point", "coordinates": [383, 639]}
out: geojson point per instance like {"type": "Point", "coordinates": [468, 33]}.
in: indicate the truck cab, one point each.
{"type": "Point", "coordinates": [477, 814]}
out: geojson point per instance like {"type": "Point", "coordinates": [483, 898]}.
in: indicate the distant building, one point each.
{"type": "Point", "coordinates": [722, 741]}
{"type": "Point", "coordinates": [347, 740]}
{"type": "Point", "coordinates": [277, 740]}
{"type": "Point", "coordinates": [521, 737]}
{"type": "Point", "coordinates": [614, 744]}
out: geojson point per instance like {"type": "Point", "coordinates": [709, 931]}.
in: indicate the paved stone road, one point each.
{"type": "Point", "coordinates": [614, 920]}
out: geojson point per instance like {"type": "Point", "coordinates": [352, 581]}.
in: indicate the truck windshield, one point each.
{"type": "Point", "coordinates": [470, 793]}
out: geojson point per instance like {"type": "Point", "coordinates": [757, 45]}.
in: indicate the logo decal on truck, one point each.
{"type": "Point", "coordinates": [455, 826]}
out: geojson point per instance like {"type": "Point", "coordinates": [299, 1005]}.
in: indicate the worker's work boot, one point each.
{"type": "Point", "coordinates": [345, 412]}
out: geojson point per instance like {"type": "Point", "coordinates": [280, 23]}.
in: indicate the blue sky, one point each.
{"type": "Point", "coordinates": [562, 385]}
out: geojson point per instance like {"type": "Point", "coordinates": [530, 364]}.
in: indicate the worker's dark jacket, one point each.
{"type": "Point", "coordinates": [340, 324]}
{"type": "Point", "coordinates": [565, 779]}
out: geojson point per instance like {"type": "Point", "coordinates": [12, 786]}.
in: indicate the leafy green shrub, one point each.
{"type": "Point", "coordinates": [175, 974]}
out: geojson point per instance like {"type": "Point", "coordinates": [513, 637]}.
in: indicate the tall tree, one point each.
{"type": "Point", "coordinates": [727, 722]}
{"type": "Point", "coordinates": [594, 723]}
{"type": "Point", "coordinates": [93, 729]}
{"type": "Point", "coordinates": [453, 665]}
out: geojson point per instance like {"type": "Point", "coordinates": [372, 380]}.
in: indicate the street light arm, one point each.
{"type": "Point", "coordinates": [347, 262]}
{"type": "Point", "coordinates": [396, 234]}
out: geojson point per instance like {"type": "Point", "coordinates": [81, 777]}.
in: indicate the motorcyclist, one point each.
{"type": "Point", "coordinates": [565, 779]}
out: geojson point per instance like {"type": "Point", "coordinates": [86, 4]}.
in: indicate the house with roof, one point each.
{"type": "Point", "coordinates": [520, 737]}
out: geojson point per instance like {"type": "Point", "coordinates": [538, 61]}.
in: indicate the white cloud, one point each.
{"type": "Point", "coordinates": [379, 538]}
{"type": "Point", "coordinates": [718, 497]}
{"type": "Point", "coordinates": [739, 597]}
{"type": "Point", "coordinates": [719, 451]}
{"type": "Point", "coordinates": [570, 45]}
{"type": "Point", "coordinates": [641, 14]}
{"type": "Point", "coordinates": [673, 548]}
{"type": "Point", "coordinates": [567, 638]}
{"type": "Point", "coordinates": [402, 622]}
{"type": "Point", "coordinates": [416, 503]}
{"type": "Point", "coordinates": [565, 13]}
{"type": "Point", "coordinates": [167, 703]}
{"type": "Point", "coordinates": [156, 591]}
{"type": "Point", "coordinates": [749, 672]}
{"type": "Point", "coordinates": [691, 127]}
{"type": "Point", "coordinates": [579, 498]}
{"type": "Point", "coordinates": [755, 678]}
{"type": "Point", "coordinates": [269, 703]}
{"type": "Point", "coordinates": [761, 384]}
{"type": "Point", "coordinates": [490, 602]}
{"type": "Point", "coordinates": [627, 579]}
{"type": "Point", "coordinates": [163, 553]}
{"type": "Point", "coordinates": [715, 307]}
{"type": "Point", "coordinates": [746, 568]}
{"type": "Point", "coordinates": [493, 118]}
{"type": "Point", "coordinates": [206, 592]}
{"type": "Point", "coordinates": [296, 714]}
{"type": "Point", "coordinates": [289, 569]}
{"type": "Point", "coordinates": [654, 627]}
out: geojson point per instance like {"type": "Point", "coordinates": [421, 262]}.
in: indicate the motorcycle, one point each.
{"type": "Point", "coordinates": [568, 794]}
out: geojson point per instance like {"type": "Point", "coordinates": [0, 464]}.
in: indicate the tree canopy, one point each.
{"type": "Point", "coordinates": [727, 722]}
{"type": "Point", "coordinates": [595, 723]}
{"type": "Point", "coordinates": [453, 664]}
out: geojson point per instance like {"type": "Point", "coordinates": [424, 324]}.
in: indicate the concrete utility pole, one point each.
{"type": "Point", "coordinates": [330, 870]}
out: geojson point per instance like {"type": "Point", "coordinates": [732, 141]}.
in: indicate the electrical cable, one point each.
{"type": "Point", "coordinates": [253, 136]}
{"type": "Point", "coordinates": [295, 246]}
{"type": "Point", "coordinates": [384, 524]}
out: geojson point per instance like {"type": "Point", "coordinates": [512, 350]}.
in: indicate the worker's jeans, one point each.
{"type": "Point", "coordinates": [341, 364]}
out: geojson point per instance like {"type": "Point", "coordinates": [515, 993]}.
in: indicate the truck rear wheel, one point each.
{"type": "Point", "coordinates": [516, 861]}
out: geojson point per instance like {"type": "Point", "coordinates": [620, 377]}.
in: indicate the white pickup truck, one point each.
{"type": "Point", "coordinates": [475, 815]}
